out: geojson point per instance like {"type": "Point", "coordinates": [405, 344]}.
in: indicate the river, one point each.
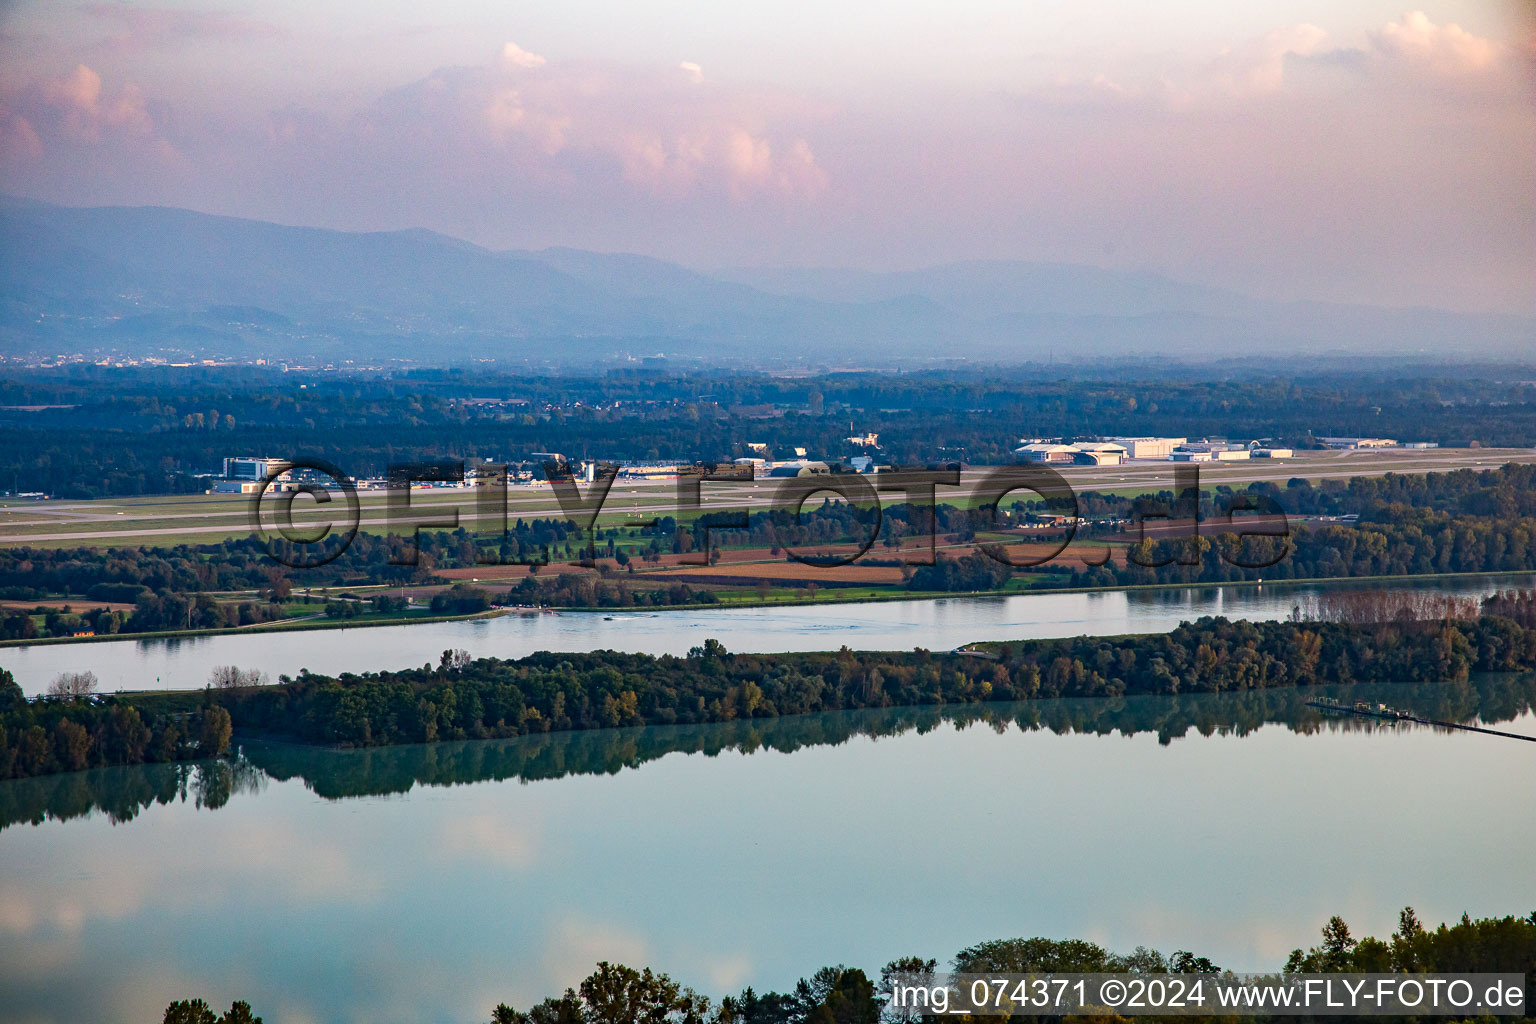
{"type": "Point", "coordinates": [428, 883]}
{"type": "Point", "coordinates": [938, 624]}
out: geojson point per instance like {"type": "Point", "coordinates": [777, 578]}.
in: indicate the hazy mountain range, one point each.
{"type": "Point", "coordinates": [151, 280]}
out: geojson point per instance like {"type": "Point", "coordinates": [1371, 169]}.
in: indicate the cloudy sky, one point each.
{"type": "Point", "coordinates": [1369, 152]}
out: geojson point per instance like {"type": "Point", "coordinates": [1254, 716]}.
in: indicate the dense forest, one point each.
{"type": "Point", "coordinates": [617, 994]}
{"type": "Point", "coordinates": [81, 731]}
{"type": "Point", "coordinates": [82, 431]}
{"type": "Point", "coordinates": [463, 698]}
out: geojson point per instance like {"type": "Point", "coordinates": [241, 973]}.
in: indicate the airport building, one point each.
{"type": "Point", "coordinates": [248, 468]}
{"type": "Point", "coordinates": [1218, 451]}
{"type": "Point", "coordinates": [234, 487]}
{"type": "Point", "coordinates": [1046, 452]}
{"type": "Point", "coordinates": [1089, 453]}
{"type": "Point", "coordinates": [1358, 442]}
{"type": "Point", "coordinates": [801, 467]}
{"type": "Point", "coordinates": [1100, 453]}
{"type": "Point", "coordinates": [1148, 447]}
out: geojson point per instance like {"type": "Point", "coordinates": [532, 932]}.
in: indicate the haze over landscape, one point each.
{"type": "Point", "coordinates": [139, 282]}
{"type": "Point", "coordinates": [1010, 183]}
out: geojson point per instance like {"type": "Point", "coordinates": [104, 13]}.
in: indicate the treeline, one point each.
{"type": "Point", "coordinates": [196, 1011]}
{"type": "Point", "coordinates": [464, 698]}
{"type": "Point", "coordinates": [121, 432]}
{"type": "Point", "coordinates": [1421, 506]}
{"type": "Point", "coordinates": [124, 574]}
{"type": "Point", "coordinates": [477, 699]}
{"type": "Point", "coordinates": [1409, 524]}
{"type": "Point", "coordinates": [1436, 543]}
{"type": "Point", "coordinates": [1507, 491]}
{"type": "Point", "coordinates": [571, 590]}
{"type": "Point", "coordinates": [1307, 552]}
{"type": "Point", "coordinates": [49, 735]}
{"type": "Point", "coordinates": [617, 994]}
{"type": "Point", "coordinates": [169, 587]}
{"type": "Point", "coordinates": [374, 771]}
{"type": "Point", "coordinates": [824, 523]}
{"type": "Point", "coordinates": [151, 613]}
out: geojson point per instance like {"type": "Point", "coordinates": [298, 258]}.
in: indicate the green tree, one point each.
{"type": "Point", "coordinates": [196, 1011]}
{"type": "Point", "coordinates": [126, 736]}
{"type": "Point", "coordinates": [615, 994]}
{"type": "Point", "coordinates": [11, 696]}
{"type": "Point", "coordinates": [1185, 962]}
{"type": "Point", "coordinates": [1334, 956]}
{"type": "Point", "coordinates": [1021, 956]}
{"type": "Point", "coordinates": [1406, 941]}
{"type": "Point", "coordinates": [850, 1000]}
{"type": "Point", "coordinates": [565, 1010]}
{"type": "Point", "coordinates": [239, 1012]}
{"type": "Point", "coordinates": [903, 965]}
{"type": "Point", "coordinates": [1338, 945]}
{"type": "Point", "coordinates": [214, 733]}
{"type": "Point", "coordinates": [72, 745]}
{"type": "Point", "coordinates": [189, 1011]}
{"type": "Point", "coordinates": [711, 648]}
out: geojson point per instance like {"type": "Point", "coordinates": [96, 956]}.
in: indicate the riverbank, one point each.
{"type": "Point", "coordinates": [941, 624]}
{"type": "Point", "coordinates": [486, 698]}
{"type": "Point", "coordinates": [278, 626]}
{"type": "Point", "coordinates": [334, 773]}
{"type": "Point", "coordinates": [837, 597]}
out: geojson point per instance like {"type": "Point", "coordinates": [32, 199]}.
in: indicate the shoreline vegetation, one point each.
{"type": "Point", "coordinates": [121, 793]}
{"type": "Point", "coordinates": [1359, 637]}
{"type": "Point", "coordinates": [618, 994]}
{"type": "Point", "coordinates": [822, 597]}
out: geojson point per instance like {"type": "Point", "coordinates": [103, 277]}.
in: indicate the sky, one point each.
{"type": "Point", "coordinates": [1372, 152]}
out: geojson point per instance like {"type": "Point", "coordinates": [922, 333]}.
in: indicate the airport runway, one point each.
{"type": "Point", "coordinates": [144, 519]}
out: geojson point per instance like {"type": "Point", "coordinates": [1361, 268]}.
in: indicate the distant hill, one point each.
{"type": "Point", "coordinates": [153, 280]}
{"type": "Point", "coordinates": [982, 289]}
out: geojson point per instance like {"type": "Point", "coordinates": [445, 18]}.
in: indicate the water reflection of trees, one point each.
{"type": "Point", "coordinates": [121, 793]}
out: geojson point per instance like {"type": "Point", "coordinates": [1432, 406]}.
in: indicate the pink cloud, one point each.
{"type": "Point", "coordinates": [84, 110]}
{"type": "Point", "coordinates": [77, 124]}
{"type": "Point", "coordinates": [142, 27]}
{"type": "Point", "coordinates": [18, 139]}
{"type": "Point", "coordinates": [662, 133]}
{"type": "Point", "coordinates": [517, 57]}
{"type": "Point", "coordinates": [1260, 66]}
{"type": "Point", "coordinates": [1447, 49]}
{"type": "Point", "coordinates": [1282, 59]}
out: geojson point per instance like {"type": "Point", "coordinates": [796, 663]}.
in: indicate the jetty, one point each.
{"type": "Point", "coordinates": [1369, 709]}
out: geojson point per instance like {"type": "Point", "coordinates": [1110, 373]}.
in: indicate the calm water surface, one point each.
{"type": "Point", "coordinates": [427, 883]}
{"type": "Point", "coordinates": [893, 625]}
